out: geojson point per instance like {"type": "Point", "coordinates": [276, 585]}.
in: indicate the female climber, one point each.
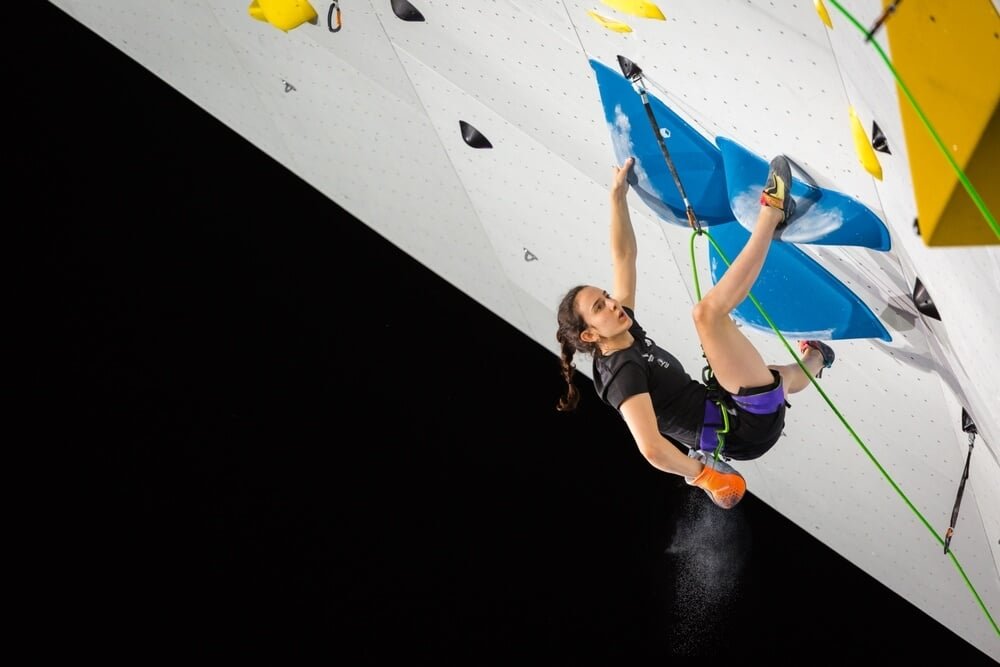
{"type": "Point", "coordinates": [664, 408]}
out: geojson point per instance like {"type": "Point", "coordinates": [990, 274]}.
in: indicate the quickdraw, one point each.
{"type": "Point", "coordinates": [969, 427]}
{"type": "Point", "coordinates": [633, 73]}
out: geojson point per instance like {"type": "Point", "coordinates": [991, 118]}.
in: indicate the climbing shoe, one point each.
{"type": "Point", "coordinates": [777, 190]}
{"type": "Point", "coordinates": [822, 348]}
{"type": "Point", "coordinates": [723, 484]}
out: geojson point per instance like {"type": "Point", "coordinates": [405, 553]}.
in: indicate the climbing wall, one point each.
{"type": "Point", "coordinates": [379, 112]}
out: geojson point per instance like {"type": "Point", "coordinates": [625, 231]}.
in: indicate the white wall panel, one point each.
{"type": "Point", "coordinates": [370, 117]}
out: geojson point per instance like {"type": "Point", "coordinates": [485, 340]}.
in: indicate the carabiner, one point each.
{"type": "Point", "coordinates": [334, 7]}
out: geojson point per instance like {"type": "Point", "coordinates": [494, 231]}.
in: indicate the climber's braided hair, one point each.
{"type": "Point", "coordinates": [571, 325]}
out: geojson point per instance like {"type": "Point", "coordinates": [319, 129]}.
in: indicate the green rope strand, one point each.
{"type": "Point", "coordinates": [697, 288]}
{"type": "Point", "coordinates": [980, 204]}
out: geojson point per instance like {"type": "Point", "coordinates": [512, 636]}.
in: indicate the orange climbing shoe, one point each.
{"type": "Point", "coordinates": [723, 484]}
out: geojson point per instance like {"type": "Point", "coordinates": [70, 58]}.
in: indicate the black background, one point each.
{"type": "Point", "coordinates": [264, 427]}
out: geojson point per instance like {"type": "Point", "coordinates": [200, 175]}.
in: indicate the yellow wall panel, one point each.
{"type": "Point", "coordinates": [948, 56]}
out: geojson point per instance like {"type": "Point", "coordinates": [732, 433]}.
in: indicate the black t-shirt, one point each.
{"type": "Point", "coordinates": [678, 399]}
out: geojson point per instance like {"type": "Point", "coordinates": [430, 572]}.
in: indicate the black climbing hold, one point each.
{"type": "Point", "coordinates": [968, 425]}
{"type": "Point", "coordinates": [473, 137]}
{"type": "Point", "coordinates": [923, 301]}
{"type": "Point", "coordinates": [916, 226]}
{"type": "Point", "coordinates": [879, 142]}
{"type": "Point", "coordinates": [629, 69]}
{"type": "Point", "coordinates": [406, 11]}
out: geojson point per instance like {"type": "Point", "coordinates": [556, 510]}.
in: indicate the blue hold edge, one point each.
{"type": "Point", "coordinates": [801, 297]}
{"type": "Point", "coordinates": [823, 216]}
{"type": "Point", "coordinates": [697, 159]}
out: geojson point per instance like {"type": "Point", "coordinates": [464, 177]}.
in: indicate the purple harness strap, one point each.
{"type": "Point", "coordinates": [709, 441]}
{"type": "Point", "coordinates": [757, 404]}
{"type": "Point", "coordinates": [762, 404]}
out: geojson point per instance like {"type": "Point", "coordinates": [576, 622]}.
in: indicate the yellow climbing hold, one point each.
{"type": "Point", "coordinates": [864, 148]}
{"type": "Point", "coordinates": [644, 10]}
{"type": "Point", "coordinates": [610, 24]}
{"type": "Point", "coordinates": [821, 10]}
{"type": "Point", "coordinates": [283, 14]}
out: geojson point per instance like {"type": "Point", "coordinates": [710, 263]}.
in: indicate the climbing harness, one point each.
{"type": "Point", "coordinates": [717, 409]}
{"type": "Point", "coordinates": [969, 427]}
{"type": "Point", "coordinates": [634, 74]}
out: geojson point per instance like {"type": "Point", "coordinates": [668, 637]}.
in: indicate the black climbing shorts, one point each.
{"type": "Point", "coordinates": [754, 428]}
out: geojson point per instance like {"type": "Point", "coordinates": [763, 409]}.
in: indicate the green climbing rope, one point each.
{"type": "Point", "coordinates": [697, 288]}
{"type": "Point", "coordinates": [698, 231]}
